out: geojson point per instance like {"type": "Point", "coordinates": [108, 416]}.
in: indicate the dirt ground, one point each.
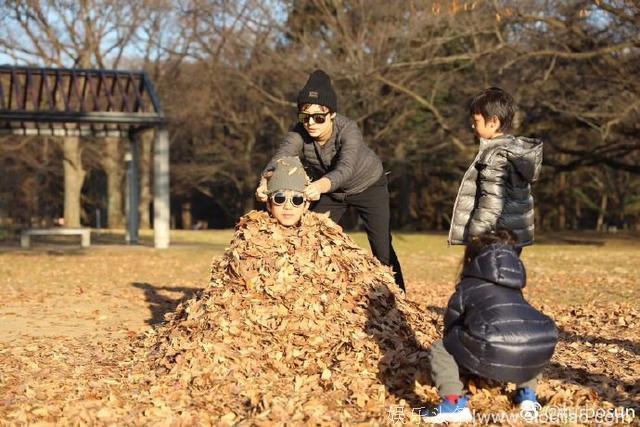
{"type": "Point", "coordinates": [589, 284]}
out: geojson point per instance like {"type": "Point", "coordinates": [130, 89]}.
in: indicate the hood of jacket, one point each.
{"type": "Point", "coordinates": [525, 154]}
{"type": "Point", "coordinates": [498, 264]}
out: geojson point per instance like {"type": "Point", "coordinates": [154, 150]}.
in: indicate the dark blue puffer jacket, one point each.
{"type": "Point", "coordinates": [490, 329]}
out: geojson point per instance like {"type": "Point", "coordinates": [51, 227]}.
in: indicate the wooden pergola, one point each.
{"type": "Point", "coordinates": [93, 103]}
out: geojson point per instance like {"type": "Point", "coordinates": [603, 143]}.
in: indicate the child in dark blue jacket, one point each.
{"type": "Point", "coordinates": [490, 330]}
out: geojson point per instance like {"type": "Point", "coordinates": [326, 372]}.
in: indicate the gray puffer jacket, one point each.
{"type": "Point", "coordinates": [347, 161]}
{"type": "Point", "coordinates": [496, 190]}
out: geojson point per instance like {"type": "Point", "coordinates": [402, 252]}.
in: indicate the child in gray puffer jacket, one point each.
{"type": "Point", "coordinates": [496, 189]}
{"type": "Point", "coordinates": [490, 330]}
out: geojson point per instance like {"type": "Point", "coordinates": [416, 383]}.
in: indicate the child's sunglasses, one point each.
{"type": "Point", "coordinates": [279, 198]}
{"type": "Point", "coordinates": [318, 118]}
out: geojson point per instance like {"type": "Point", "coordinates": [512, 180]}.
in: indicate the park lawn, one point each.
{"type": "Point", "coordinates": [60, 288]}
{"type": "Point", "coordinates": [588, 283]}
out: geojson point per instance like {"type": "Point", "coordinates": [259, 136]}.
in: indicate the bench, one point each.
{"type": "Point", "coordinates": [84, 233]}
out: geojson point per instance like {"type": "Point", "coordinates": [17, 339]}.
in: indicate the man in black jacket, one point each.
{"type": "Point", "coordinates": [490, 330]}
{"type": "Point", "coordinates": [344, 170]}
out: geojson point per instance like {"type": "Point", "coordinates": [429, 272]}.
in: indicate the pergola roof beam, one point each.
{"type": "Point", "coordinates": [92, 103]}
{"type": "Point", "coordinates": [68, 96]}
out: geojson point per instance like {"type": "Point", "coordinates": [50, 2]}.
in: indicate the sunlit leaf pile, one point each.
{"type": "Point", "coordinates": [299, 326]}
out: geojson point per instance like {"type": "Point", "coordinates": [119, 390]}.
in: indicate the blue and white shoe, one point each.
{"type": "Point", "coordinates": [448, 412]}
{"type": "Point", "coordinates": [529, 405]}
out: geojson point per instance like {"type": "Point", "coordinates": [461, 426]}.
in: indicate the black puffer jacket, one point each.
{"type": "Point", "coordinates": [496, 190]}
{"type": "Point", "coordinates": [490, 329]}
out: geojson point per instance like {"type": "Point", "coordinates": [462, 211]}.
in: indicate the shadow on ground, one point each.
{"type": "Point", "coordinates": [159, 305]}
{"type": "Point", "coordinates": [403, 360]}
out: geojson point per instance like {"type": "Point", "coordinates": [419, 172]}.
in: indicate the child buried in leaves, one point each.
{"type": "Point", "coordinates": [282, 331]}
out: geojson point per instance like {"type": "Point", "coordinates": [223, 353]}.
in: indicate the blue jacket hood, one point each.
{"type": "Point", "coordinates": [498, 264]}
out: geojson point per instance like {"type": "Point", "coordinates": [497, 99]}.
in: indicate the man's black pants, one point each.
{"type": "Point", "coordinates": [373, 207]}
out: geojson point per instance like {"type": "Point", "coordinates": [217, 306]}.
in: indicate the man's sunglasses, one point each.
{"type": "Point", "coordinates": [281, 198]}
{"type": "Point", "coordinates": [318, 118]}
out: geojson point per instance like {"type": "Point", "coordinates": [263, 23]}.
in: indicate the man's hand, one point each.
{"type": "Point", "coordinates": [312, 192]}
{"type": "Point", "coordinates": [316, 188]}
{"type": "Point", "coordinates": [262, 192]}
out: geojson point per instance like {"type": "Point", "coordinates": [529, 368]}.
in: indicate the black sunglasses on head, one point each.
{"type": "Point", "coordinates": [318, 118]}
{"type": "Point", "coordinates": [279, 198]}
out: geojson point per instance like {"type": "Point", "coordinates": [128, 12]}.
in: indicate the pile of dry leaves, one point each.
{"type": "Point", "coordinates": [298, 325]}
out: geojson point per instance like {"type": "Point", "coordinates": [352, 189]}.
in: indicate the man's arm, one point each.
{"type": "Point", "coordinates": [351, 139]}
{"type": "Point", "coordinates": [491, 187]}
{"type": "Point", "coordinates": [291, 146]}
{"type": "Point", "coordinates": [317, 188]}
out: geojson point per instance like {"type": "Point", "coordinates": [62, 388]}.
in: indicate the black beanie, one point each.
{"type": "Point", "coordinates": [318, 90]}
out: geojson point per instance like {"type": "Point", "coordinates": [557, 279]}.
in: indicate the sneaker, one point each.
{"type": "Point", "coordinates": [529, 405]}
{"type": "Point", "coordinates": [448, 412]}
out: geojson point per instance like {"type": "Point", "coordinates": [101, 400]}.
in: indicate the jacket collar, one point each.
{"type": "Point", "coordinates": [501, 140]}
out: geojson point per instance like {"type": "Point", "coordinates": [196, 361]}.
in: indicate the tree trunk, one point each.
{"type": "Point", "coordinates": [403, 183]}
{"type": "Point", "coordinates": [29, 189]}
{"type": "Point", "coordinates": [145, 147]}
{"type": "Point", "coordinates": [621, 189]}
{"type": "Point", "coordinates": [537, 223]}
{"type": "Point", "coordinates": [562, 217]}
{"type": "Point", "coordinates": [601, 213]}
{"type": "Point", "coordinates": [73, 180]}
{"type": "Point", "coordinates": [112, 164]}
{"type": "Point", "coordinates": [248, 187]}
{"type": "Point", "coordinates": [401, 178]}
{"type": "Point", "coordinates": [187, 219]}
{"type": "Point", "coordinates": [439, 222]}
{"type": "Point", "coordinates": [562, 211]}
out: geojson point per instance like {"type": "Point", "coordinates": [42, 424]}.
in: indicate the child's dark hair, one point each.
{"type": "Point", "coordinates": [479, 243]}
{"type": "Point", "coordinates": [494, 102]}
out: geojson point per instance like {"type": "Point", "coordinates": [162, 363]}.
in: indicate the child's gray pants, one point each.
{"type": "Point", "coordinates": [446, 375]}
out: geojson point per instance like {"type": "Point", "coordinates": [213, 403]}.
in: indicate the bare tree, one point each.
{"type": "Point", "coordinates": [84, 34]}
{"type": "Point", "coordinates": [574, 71]}
{"type": "Point", "coordinates": [30, 182]}
{"type": "Point", "coordinates": [232, 45]}
{"type": "Point", "coordinates": [228, 73]}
